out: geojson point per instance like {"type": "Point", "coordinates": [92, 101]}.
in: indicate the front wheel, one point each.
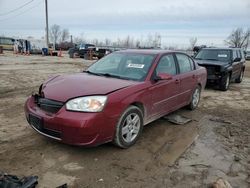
{"type": "Point", "coordinates": [195, 98]}
{"type": "Point", "coordinates": [224, 82]}
{"type": "Point", "coordinates": [129, 127]}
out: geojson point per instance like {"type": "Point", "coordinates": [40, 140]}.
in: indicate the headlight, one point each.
{"type": "Point", "coordinates": [87, 104]}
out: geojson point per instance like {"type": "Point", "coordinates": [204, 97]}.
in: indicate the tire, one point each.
{"type": "Point", "coordinates": [224, 82]}
{"type": "Point", "coordinates": [195, 98]}
{"type": "Point", "coordinates": [129, 127]}
{"type": "Point", "coordinates": [240, 78]}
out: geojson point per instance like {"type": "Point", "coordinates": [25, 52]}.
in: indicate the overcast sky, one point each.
{"type": "Point", "coordinates": [211, 21]}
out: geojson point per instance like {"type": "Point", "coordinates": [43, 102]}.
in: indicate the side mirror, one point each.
{"type": "Point", "coordinates": [237, 59]}
{"type": "Point", "coordinates": [163, 76]}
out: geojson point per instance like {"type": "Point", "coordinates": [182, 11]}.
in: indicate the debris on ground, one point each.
{"type": "Point", "coordinates": [63, 186]}
{"type": "Point", "coordinates": [221, 183]}
{"type": "Point", "coordinates": [177, 119]}
{"type": "Point", "coordinates": [12, 181]}
{"type": "Point", "coordinates": [219, 120]}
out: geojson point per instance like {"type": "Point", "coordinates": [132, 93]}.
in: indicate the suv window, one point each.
{"type": "Point", "coordinates": [242, 54]}
{"type": "Point", "coordinates": [184, 63]}
{"type": "Point", "coordinates": [166, 65]}
{"type": "Point", "coordinates": [238, 54]}
{"type": "Point", "coordinates": [234, 54]}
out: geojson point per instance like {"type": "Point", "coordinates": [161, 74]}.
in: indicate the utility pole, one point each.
{"type": "Point", "coordinates": [47, 24]}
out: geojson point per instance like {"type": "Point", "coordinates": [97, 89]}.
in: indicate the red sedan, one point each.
{"type": "Point", "coordinates": [115, 97]}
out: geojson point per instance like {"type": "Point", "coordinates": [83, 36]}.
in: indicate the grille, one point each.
{"type": "Point", "coordinates": [51, 133]}
{"type": "Point", "coordinates": [37, 123]}
{"type": "Point", "coordinates": [48, 105]}
{"type": "Point", "coordinates": [212, 70]}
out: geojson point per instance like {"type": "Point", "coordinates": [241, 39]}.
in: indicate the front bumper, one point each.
{"type": "Point", "coordinates": [213, 79]}
{"type": "Point", "coordinates": [75, 128]}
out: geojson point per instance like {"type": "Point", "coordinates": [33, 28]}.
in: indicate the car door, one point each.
{"type": "Point", "coordinates": [188, 78]}
{"type": "Point", "coordinates": [165, 92]}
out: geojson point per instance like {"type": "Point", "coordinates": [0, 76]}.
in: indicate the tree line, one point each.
{"type": "Point", "coordinates": [237, 38]}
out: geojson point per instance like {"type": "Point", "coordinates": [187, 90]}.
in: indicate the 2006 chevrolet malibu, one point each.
{"type": "Point", "coordinates": [115, 97]}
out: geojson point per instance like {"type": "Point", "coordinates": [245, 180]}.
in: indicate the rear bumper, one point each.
{"type": "Point", "coordinates": [74, 128]}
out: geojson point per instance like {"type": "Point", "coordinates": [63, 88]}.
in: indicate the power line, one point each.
{"type": "Point", "coordinates": [21, 12]}
{"type": "Point", "coordinates": [6, 13]}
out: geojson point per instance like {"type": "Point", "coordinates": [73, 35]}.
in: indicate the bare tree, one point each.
{"type": "Point", "coordinates": [55, 33]}
{"type": "Point", "coordinates": [137, 43]}
{"type": "Point", "coordinates": [238, 38]}
{"type": "Point", "coordinates": [157, 40]}
{"type": "Point", "coordinates": [126, 42]}
{"type": "Point", "coordinates": [149, 40]}
{"type": "Point", "coordinates": [193, 41]}
{"type": "Point", "coordinates": [107, 42]}
{"type": "Point", "coordinates": [65, 35]}
{"type": "Point", "coordinates": [80, 39]}
{"type": "Point", "coordinates": [95, 42]}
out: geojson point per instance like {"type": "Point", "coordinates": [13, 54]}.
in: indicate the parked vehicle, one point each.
{"type": "Point", "coordinates": [81, 50]}
{"type": "Point", "coordinates": [100, 52]}
{"type": "Point", "coordinates": [7, 43]}
{"type": "Point", "coordinates": [247, 55]}
{"type": "Point", "coordinates": [115, 97]}
{"type": "Point", "coordinates": [64, 45]}
{"type": "Point", "coordinates": [223, 65]}
{"type": "Point", "coordinates": [37, 46]}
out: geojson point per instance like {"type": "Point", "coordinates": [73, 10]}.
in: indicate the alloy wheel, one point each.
{"type": "Point", "coordinates": [131, 127]}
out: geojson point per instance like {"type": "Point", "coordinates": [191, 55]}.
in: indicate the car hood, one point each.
{"type": "Point", "coordinates": [63, 88]}
{"type": "Point", "coordinates": [210, 62]}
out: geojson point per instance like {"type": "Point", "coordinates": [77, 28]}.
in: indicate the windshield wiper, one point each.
{"type": "Point", "coordinates": [212, 59]}
{"type": "Point", "coordinates": [92, 73]}
{"type": "Point", "coordinates": [103, 74]}
{"type": "Point", "coordinates": [109, 75]}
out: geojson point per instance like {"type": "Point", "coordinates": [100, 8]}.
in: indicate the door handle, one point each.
{"type": "Point", "coordinates": [177, 81]}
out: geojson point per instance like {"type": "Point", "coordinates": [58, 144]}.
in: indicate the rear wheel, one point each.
{"type": "Point", "coordinates": [129, 127]}
{"type": "Point", "coordinates": [240, 78]}
{"type": "Point", "coordinates": [224, 82]}
{"type": "Point", "coordinates": [195, 98]}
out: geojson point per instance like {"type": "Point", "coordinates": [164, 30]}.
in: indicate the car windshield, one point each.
{"type": "Point", "coordinates": [214, 55]}
{"type": "Point", "coordinates": [123, 66]}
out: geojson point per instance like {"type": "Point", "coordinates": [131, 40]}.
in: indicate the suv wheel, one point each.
{"type": "Point", "coordinates": [224, 83]}
{"type": "Point", "coordinates": [129, 127]}
{"type": "Point", "coordinates": [240, 78]}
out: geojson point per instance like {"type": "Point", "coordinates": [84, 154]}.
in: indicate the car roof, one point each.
{"type": "Point", "coordinates": [145, 51]}
{"type": "Point", "coordinates": [222, 48]}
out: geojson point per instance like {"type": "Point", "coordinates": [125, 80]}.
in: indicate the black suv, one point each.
{"type": "Point", "coordinates": [223, 65]}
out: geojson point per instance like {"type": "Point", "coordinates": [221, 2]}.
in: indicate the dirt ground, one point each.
{"type": "Point", "coordinates": [215, 144]}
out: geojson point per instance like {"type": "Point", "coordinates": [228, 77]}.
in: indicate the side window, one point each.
{"type": "Point", "coordinates": [234, 54]}
{"type": "Point", "coordinates": [242, 54]}
{"type": "Point", "coordinates": [184, 63]}
{"type": "Point", "coordinates": [238, 54]}
{"type": "Point", "coordinates": [191, 63]}
{"type": "Point", "coordinates": [166, 65]}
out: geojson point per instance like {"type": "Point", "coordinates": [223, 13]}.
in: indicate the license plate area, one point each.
{"type": "Point", "coordinates": [36, 122]}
